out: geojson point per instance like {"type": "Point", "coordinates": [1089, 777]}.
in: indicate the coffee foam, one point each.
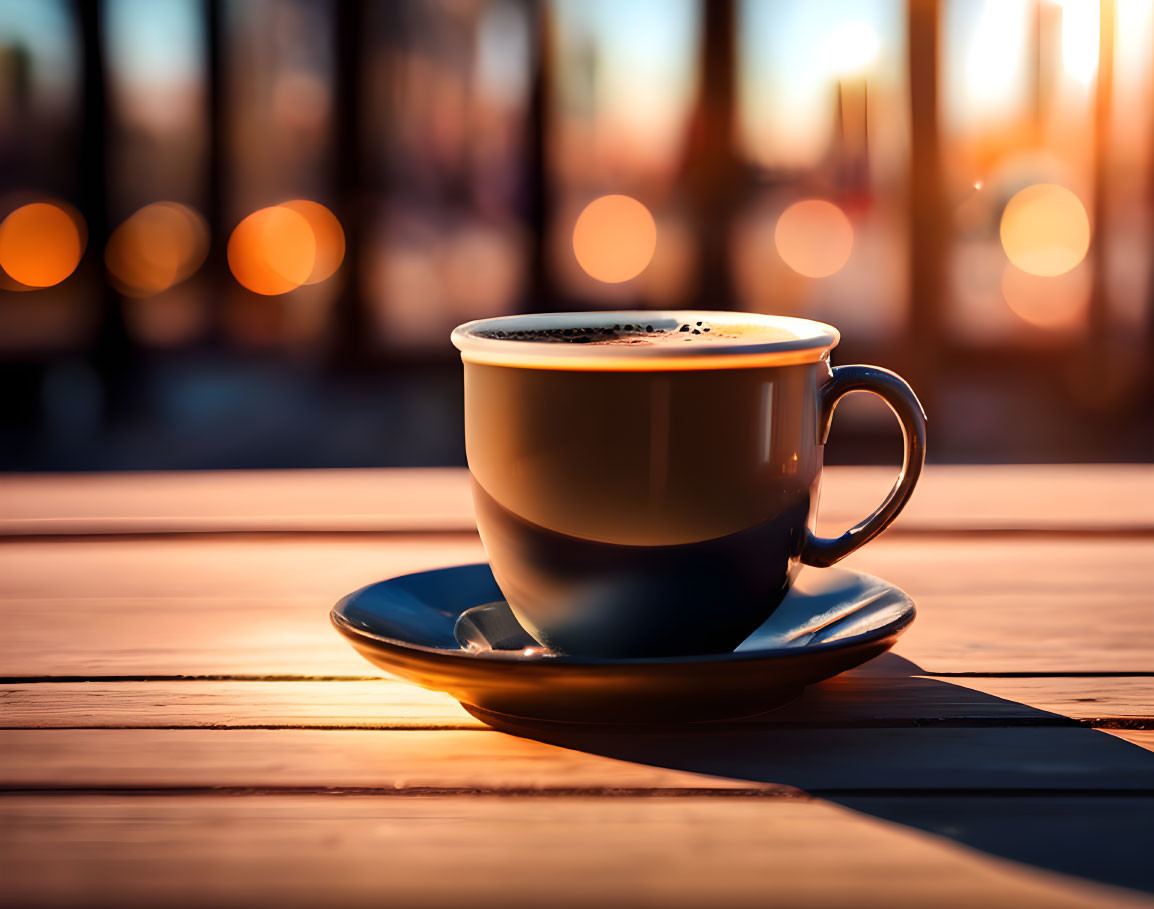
{"type": "Point", "coordinates": [622, 333]}
{"type": "Point", "coordinates": [643, 340]}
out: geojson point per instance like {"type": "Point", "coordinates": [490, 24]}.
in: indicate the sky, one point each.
{"type": "Point", "coordinates": [790, 57]}
{"type": "Point", "coordinates": [45, 28]}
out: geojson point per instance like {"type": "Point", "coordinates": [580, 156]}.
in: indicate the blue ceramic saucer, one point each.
{"type": "Point", "coordinates": [450, 630]}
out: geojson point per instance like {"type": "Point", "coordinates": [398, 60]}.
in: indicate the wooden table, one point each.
{"type": "Point", "coordinates": [183, 727]}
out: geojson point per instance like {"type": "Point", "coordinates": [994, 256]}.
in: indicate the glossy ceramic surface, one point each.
{"type": "Point", "coordinates": [654, 507]}
{"type": "Point", "coordinates": [451, 630]}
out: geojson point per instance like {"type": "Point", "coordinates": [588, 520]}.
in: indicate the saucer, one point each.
{"type": "Point", "coordinates": [450, 630]}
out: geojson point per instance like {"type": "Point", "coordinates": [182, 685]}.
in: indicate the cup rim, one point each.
{"type": "Point", "coordinates": [797, 341]}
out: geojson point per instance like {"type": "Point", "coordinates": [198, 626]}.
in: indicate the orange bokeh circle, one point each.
{"type": "Point", "coordinates": [272, 251]}
{"type": "Point", "coordinates": [614, 238]}
{"type": "Point", "coordinates": [1045, 230]}
{"type": "Point", "coordinates": [160, 245]}
{"type": "Point", "coordinates": [814, 238]}
{"type": "Point", "coordinates": [41, 243]}
{"type": "Point", "coordinates": [327, 234]}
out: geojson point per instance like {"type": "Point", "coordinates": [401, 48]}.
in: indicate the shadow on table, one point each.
{"type": "Point", "coordinates": [1055, 795]}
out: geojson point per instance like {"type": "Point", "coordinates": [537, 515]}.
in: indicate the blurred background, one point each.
{"type": "Point", "coordinates": [236, 233]}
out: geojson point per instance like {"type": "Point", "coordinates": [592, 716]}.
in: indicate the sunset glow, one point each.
{"type": "Point", "coordinates": [851, 49]}
{"type": "Point", "coordinates": [1080, 25]}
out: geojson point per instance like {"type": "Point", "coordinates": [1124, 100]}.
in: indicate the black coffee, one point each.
{"type": "Point", "coordinates": [619, 333]}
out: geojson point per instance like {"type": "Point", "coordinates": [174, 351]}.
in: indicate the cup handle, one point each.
{"type": "Point", "coordinates": [891, 388]}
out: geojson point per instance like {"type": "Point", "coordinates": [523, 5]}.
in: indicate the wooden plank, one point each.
{"type": "Point", "coordinates": [195, 636]}
{"type": "Point", "coordinates": [1045, 606]}
{"type": "Point", "coordinates": [378, 704]}
{"type": "Point", "coordinates": [885, 759]}
{"type": "Point", "coordinates": [1092, 838]}
{"type": "Point", "coordinates": [401, 760]}
{"type": "Point", "coordinates": [166, 569]}
{"type": "Point", "coordinates": [257, 607]}
{"type": "Point", "coordinates": [275, 500]}
{"type": "Point", "coordinates": [856, 699]}
{"type": "Point", "coordinates": [1004, 498]}
{"type": "Point", "coordinates": [584, 852]}
{"type": "Point", "coordinates": [319, 569]}
{"type": "Point", "coordinates": [175, 607]}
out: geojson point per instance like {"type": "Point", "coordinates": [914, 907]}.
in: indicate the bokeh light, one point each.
{"type": "Point", "coordinates": [1048, 302]}
{"type": "Point", "coordinates": [272, 251]}
{"type": "Point", "coordinates": [327, 234]}
{"type": "Point", "coordinates": [160, 245]}
{"type": "Point", "coordinates": [814, 238]}
{"type": "Point", "coordinates": [614, 238]}
{"type": "Point", "coordinates": [1045, 230]}
{"type": "Point", "coordinates": [41, 243]}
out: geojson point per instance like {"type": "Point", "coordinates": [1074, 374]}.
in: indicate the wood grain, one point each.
{"type": "Point", "coordinates": [941, 791]}
{"type": "Point", "coordinates": [220, 606]}
{"type": "Point", "coordinates": [271, 570]}
{"type": "Point", "coordinates": [883, 759]}
{"type": "Point", "coordinates": [274, 500]}
{"type": "Point", "coordinates": [1003, 498]}
{"type": "Point", "coordinates": [305, 851]}
{"type": "Point", "coordinates": [854, 699]}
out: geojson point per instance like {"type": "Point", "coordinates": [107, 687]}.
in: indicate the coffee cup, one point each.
{"type": "Point", "coordinates": [646, 483]}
